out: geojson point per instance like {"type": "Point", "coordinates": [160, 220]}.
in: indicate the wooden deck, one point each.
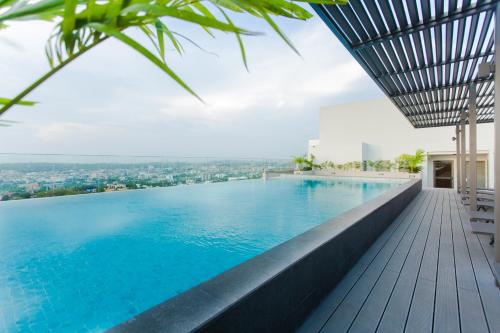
{"type": "Point", "coordinates": [426, 273]}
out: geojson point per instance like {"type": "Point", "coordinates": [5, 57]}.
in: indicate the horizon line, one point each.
{"type": "Point", "coordinates": [145, 156]}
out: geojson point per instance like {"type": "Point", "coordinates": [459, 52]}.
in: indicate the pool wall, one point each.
{"type": "Point", "coordinates": [275, 291]}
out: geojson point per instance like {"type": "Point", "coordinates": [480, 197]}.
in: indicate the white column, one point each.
{"type": "Point", "coordinates": [472, 148]}
{"type": "Point", "coordinates": [463, 154]}
{"type": "Point", "coordinates": [457, 160]}
{"type": "Point", "coordinates": [497, 146]}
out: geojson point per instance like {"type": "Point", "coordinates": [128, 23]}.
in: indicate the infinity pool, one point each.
{"type": "Point", "coordinates": [86, 263]}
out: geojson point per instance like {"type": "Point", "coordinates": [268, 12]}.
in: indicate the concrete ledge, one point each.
{"type": "Point", "coordinates": [275, 291]}
{"type": "Point", "coordinates": [368, 174]}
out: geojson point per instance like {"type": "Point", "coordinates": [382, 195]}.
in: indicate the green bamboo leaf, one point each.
{"type": "Point", "coordinates": [278, 31]}
{"type": "Point", "coordinates": [41, 8]}
{"type": "Point", "coordinates": [206, 29]}
{"type": "Point", "coordinates": [145, 52]}
{"type": "Point", "coordinates": [83, 24]}
{"type": "Point", "coordinates": [113, 11]}
{"type": "Point", "coordinates": [150, 36]}
{"type": "Point", "coordinates": [204, 10]}
{"type": "Point", "coordinates": [186, 15]}
{"type": "Point", "coordinates": [4, 101]}
{"type": "Point", "coordinates": [161, 41]}
{"type": "Point", "coordinates": [68, 24]}
{"type": "Point", "coordinates": [325, 2]}
{"type": "Point", "coordinates": [19, 97]}
{"type": "Point", "coordinates": [4, 3]}
{"type": "Point", "coordinates": [194, 43]}
{"type": "Point", "coordinates": [173, 40]}
{"type": "Point", "coordinates": [238, 38]}
{"type": "Point", "coordinates": [229, 4]}
{"type": "Point", "coordinates": [285, 8]}
{"type": "Point", "coordinates": [90, 9]}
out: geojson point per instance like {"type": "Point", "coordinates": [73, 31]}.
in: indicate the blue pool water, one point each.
{"type": "Point", "coordinates": [86, 263]}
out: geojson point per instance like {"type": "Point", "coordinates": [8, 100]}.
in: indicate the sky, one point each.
{"type": "Point", "coordinates": [112, 101]}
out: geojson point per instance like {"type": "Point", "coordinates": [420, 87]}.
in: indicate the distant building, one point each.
{"type": "Point", "coordinates": [237, 178]}
{"type": "Point", "coordinates": [115, 187]}
{"type": "Point", "coordinates": [31, 188]}
{"type": "Point", "coordinates": [376, 130]}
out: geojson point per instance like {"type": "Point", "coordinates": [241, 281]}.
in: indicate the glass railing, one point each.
{"type": "Point", "coordinates": [40, 175]}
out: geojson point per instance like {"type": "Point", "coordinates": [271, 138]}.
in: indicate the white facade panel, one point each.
{"type": "Point", "coordinates": [376, 130]}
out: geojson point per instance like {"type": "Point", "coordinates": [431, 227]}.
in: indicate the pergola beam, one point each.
{"type": "Point", "coordinates": [431, 125]}
{"type": "Point", "coordinates": [442, 111]}
{"type": "Point", "coordinates": [434, 21]}
{"type": "Point", "coordinates": [430, 66]}
{"type": "Point", "coordinates": [485, 114]}
{"type": "Point", "coordinates": [441, 88]}
{"type": "Point", "coordinates": [480, 97]}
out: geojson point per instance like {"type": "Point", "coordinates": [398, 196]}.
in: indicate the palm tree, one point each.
{"type": "Point", "coordinates": [412, 163]}
{"type": "Point", "coordinates": [415, 161]}
{"type": "Point", "coordinates": [299, 161]}
{"type": "Point", "coordinates": [371, 164]}
{"type": "Point", "coordinates": [81, 25]}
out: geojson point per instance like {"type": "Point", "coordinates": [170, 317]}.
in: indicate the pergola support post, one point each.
{"type": "Point", "coordinates": [457, 160]}
{"type": "Point", "coordinates": [473, 147]}
{"type": "Point", "coordinates": [497, 148]}
{"type": "Point", "coordinates": [463, 155]}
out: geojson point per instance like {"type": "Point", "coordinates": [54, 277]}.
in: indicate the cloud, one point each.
{"type": "Point", "coordinates": [56, 132]}
{"type": "Point", "coordinates": [275, 82]}
{"type": "Point", "coordinates": [112, 100]}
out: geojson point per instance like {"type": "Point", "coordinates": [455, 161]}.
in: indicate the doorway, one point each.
{"type": "Point", "coordinates": [481, 173]}
{"type": "Point", "coordinates": [443, 174]}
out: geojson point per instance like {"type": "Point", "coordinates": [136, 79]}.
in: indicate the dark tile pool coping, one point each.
{"type": "Point", "coordinates": [274, 292]}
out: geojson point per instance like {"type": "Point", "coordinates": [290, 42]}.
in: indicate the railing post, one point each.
{"type": "Point", "coordinates": [472, 147]}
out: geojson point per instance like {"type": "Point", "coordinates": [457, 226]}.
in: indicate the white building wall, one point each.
{"type": "Point", "coordinates": [313, 148]}
{"type": "Point", "coordinates": [376, 130]}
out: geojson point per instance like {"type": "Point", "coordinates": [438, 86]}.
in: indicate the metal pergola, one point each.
{"type": "Point", "coordinates": [435, 60]}
{"type": "Point", "coordinates": [423, 54]}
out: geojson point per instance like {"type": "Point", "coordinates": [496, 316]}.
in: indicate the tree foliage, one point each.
{"type": "Point", "coordinates": [306, 164]}
{"type": "Point", "coordinates": [411, 163]}
{"type": "Point", "coordinates": [84, 24]}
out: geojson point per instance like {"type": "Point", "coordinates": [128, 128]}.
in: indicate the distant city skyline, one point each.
{"type": "Point", "coordinates": [37, 180]}
{"type": "Point", "coordinates": [111, 101]}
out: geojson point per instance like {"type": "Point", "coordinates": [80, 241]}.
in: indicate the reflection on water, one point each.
{"type": "Point", "coordinates": [121, 253]}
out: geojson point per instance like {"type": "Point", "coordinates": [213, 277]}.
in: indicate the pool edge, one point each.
{"type": "Point", "coordinates": [276, 290]}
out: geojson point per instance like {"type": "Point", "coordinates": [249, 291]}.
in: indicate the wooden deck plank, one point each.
{"type": "Point", "coordinates": [427, 273]}
{"type": "Point", "coordinates": [319, 317]}
{"type": "Point", "coordinates": [489, 293]}
{"type": "Point", "coordinates": [369, 316]}
{"type": "Point", "coordinates": [472, 318]}
{"type": "Point", "coordinates": [395, 315]}
{"type": "Point", "coordinates": [342, 318]}
{"type": "Point", "coordinates": [421, 314]}
{"type": "Point", "coordinates": [372, 309]}
{"type": "Point", "coordinates": [446, 313]}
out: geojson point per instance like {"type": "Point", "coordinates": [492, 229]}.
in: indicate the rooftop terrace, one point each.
{"type": "Point", "coordinates": [426, 273]}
